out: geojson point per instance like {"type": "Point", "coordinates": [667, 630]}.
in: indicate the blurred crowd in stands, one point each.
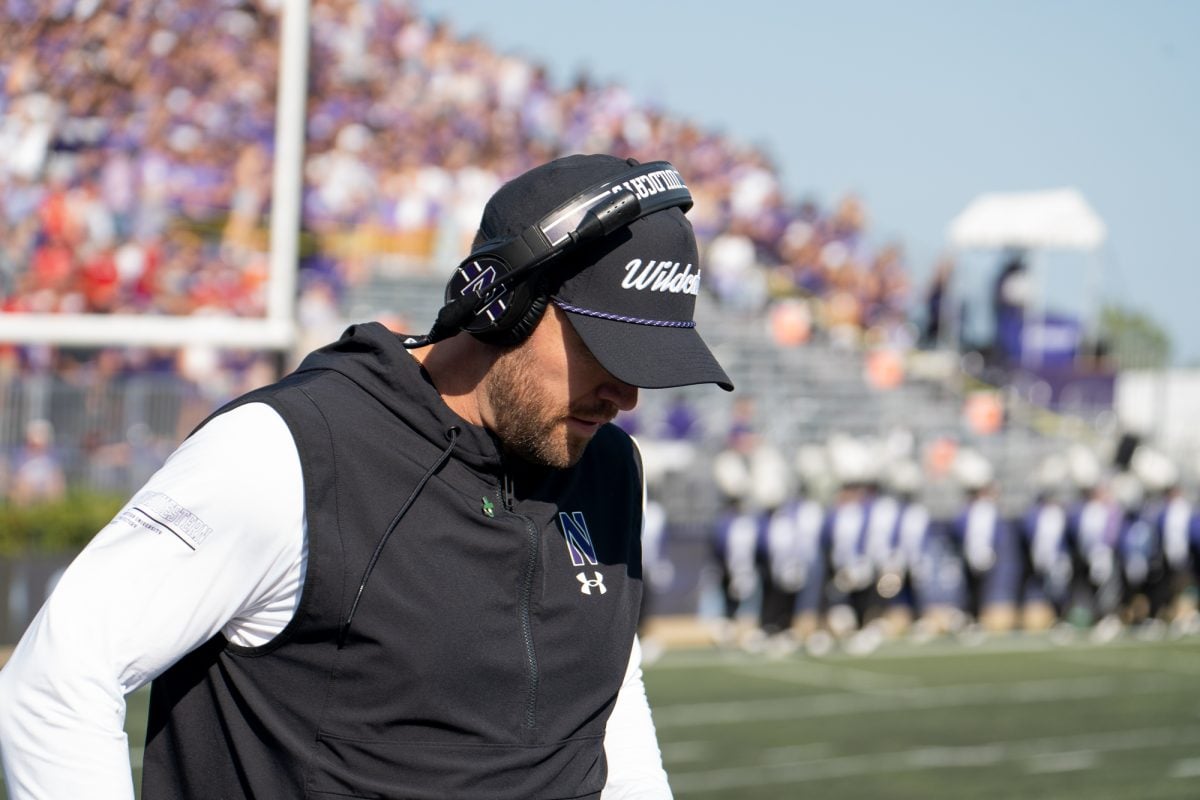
{"type": "Point", "coordinates": [136, 156]}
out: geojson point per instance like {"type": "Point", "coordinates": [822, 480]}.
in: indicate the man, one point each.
{"type": "Point", "coordinates": [980, 536]}
{"type": "Point", "coordinates": [1155, 546]}
{"type": "Point", "coordinates": [397, 573]}
{"type": "Point", "coordinates": [898, 531]}
{"type": "Point", "coordinates": [37, 475]}
{"type": "Point", "coordinates": [793, 554]}
{"type": "Point", "coordinates": [1041, 535]}
{"type": "Point", "coordinates": [1095, 535]}
{"type": "Point", "coordinates": [1177, 529]}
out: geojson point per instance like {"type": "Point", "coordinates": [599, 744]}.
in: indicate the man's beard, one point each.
{"type": "Point", "coordinates": [529, 421]}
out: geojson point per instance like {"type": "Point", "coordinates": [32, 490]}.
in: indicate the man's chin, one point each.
{"type": "Point", "coordinates": [575, 454]}
{"type": "Point", "coordinates": [560, 452]}
{"type": "Point", "coordinates": [573, 449]}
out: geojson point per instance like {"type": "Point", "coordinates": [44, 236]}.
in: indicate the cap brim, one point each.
{"type": "Point", "coordinates": [650, 357]}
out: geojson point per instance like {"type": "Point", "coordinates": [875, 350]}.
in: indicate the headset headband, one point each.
{"type": "Point", "coordinates": [590, 215]}
{"type": "Point", "coordinates": [649, 188]}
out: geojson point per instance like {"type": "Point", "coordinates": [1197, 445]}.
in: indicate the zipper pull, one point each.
{"type": "Point", "coordinates": [506, 492]}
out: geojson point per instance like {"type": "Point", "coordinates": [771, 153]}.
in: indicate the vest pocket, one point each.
{"type": "Point", "coordinates": [372, 768]}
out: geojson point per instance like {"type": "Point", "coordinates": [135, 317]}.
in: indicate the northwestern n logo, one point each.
{"type": "Point", "coordinates": [478, 278]}
{"type": "Point", "coordinates": [579, 541]}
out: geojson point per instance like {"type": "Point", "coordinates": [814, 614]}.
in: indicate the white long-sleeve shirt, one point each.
{"type": "Point", "coordinates": [214, 542]}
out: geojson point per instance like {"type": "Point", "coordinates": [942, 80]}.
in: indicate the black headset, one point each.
{"type": "Point", "coordinates": [493, 295]}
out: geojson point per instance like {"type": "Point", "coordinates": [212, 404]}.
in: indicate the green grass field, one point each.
{"type": "Point", "coordinates": [1009, 718]}
{"type": "Point", "coordinates": [1013, 717]}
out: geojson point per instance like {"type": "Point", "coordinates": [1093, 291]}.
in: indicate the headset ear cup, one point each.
{"type": "Point", "coordinates": [524, 320]}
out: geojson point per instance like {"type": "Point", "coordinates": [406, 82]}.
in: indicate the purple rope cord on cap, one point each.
{"type": "Point", "coordinates": [657, 323]}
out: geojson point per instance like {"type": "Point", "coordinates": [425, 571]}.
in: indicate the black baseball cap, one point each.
{"type": "Point", "coordinates": [631, 295]}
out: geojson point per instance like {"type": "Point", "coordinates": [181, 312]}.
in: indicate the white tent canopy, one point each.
{"type": "Point", "coordinates": [1050, 219]}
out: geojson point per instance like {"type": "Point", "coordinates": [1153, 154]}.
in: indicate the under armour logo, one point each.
{"type": "Point", "coordinates": [593, 583]}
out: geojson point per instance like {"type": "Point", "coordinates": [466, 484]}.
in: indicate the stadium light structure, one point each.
{"type": "Point", "coordinates": [277, 329]}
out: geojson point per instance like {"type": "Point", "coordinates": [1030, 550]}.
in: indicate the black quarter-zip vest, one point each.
{"type": "Point", "coordinates": [489, 642]}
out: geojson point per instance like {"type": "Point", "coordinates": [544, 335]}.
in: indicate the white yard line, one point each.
{"type": "Point", "coordinates": [1014, 644]}
{"type": "Point", "coordinates": [835, 676]}
{"type": "Point", "coordinates": [1175, 663]}
{"type": "Point", "coordinates": [1060, 751]}
{"type": "Point", "coordinates": [906, 699]}
{"type": "Point", "coordinates": [676, 752]}
{"type": "Point", "coordinates": [902, 650]}
{"type": "Point", "coordinates": [799, 752]}
{"type": "Point", "coordinates": [1069, 761]}
{"type": "Point", "coordinates": [703, 659]}
{"type": "Point", "coordinates": [1185, 768]}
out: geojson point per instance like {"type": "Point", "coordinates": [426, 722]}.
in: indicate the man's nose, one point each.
{"type": "Point", "coordinates": [619, 393]}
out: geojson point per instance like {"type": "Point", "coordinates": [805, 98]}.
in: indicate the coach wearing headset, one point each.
{"type": "Point", "coordinates": [412, 567]}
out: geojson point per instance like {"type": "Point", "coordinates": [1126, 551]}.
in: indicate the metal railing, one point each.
{"type": "Point", "coordinates": [108, 435]}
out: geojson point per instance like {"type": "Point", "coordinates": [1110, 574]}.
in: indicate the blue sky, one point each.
{"type": "Point", "coordinates": [919, 106]}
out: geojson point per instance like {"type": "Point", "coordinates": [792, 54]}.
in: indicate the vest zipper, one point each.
{"type": "Point", "coordinates": [506, 493]}
{"type": "Point", "coordinates": [525, 603]}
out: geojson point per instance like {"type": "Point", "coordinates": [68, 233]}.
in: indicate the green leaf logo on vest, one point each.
{"type": "Point", "coordinates": [489, 508]}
